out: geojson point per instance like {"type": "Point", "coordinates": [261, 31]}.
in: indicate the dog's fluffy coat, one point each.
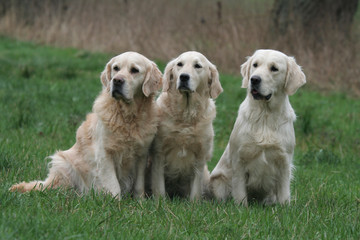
{"type": "Point", "coordinates": [184, 141]}
{"type": "Point", "coordinates": [112, 145]}
{"type": "Point", "coordinates": [257, 162]}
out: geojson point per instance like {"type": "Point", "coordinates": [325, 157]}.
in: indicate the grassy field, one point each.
{"type": "Point", "coordinates": [45, 94]}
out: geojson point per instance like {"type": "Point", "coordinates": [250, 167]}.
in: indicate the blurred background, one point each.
{"type": "Point", "coordinates": [322, 35]}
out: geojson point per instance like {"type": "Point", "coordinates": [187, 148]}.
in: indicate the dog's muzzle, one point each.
{"type": "Point", "coordinates": [255, 86]}
{"type": "Point", "coordinates": [117, 90]}
{"type": "Point", "coordinates": [184, 83]}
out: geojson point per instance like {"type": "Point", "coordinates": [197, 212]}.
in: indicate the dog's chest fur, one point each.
{"type": "Point", "coordinates": [186, 137]}
{"type": "Point", "coordinates": [125, 131]}
{"type": "Point", "coordinates": [260, 131]}
{"type": "Point", "coordinates": [181, 146]}
{"type": "Point", "coordinates": [264, 144]}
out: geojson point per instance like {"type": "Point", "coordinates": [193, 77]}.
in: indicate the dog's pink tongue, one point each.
{"type": "Point", "coordinates": [254, 92]}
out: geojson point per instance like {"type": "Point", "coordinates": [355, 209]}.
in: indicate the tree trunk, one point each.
{"type": "Point", "coordinates": [314, 17]}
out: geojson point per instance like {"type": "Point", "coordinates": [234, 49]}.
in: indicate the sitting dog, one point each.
{"type": "Point", "coordinates": [184, 141]}
{"type": "Point", "coordinates": [257, 162]}
{"type": "Point", "coordinates": [111, 149]}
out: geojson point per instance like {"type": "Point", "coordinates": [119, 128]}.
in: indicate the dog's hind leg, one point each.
{"type": "Point", "coordinates": [220, 187]}
{"type": "Point", "coordinates": [220, 178]}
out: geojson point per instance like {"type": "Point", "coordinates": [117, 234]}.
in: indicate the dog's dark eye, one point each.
{"type": "Point", "coordinates": [134, 70]}
{"type": "Point", "coordinates": [180, 64]}
{"type": "Point", "coordinates": [197, 66]}
{"type": "Point", "coordinates": [255, 65]}
{"type": "Point", "coordinates": [116, 68]}
{"type": "Point", "coordinates": [274, 69]}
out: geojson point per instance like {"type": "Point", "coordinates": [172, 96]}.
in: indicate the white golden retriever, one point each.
{"type": "Point", "coordinates": [257, 161]}
{"type": "Point", "coordinates": [184, 141]}
{"type": "Point", "coordinates": [111, 149]}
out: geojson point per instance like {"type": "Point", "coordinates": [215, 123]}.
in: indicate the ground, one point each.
{"type": "Point", "coordinates": [45, 94]}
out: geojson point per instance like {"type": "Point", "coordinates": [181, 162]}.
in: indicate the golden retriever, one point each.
{"type": "Point", "coordinates": [184, 141]}
{"type": "Point", "coordinates": [111, 149]}
{"type": "Point", "coordinates": [257, 162]}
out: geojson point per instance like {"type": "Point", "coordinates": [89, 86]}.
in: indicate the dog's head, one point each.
{"type": "Point", "coordinates": [192, 72]}
{"type": "Point", "coordinates": [268, 73]}
{"type": "Point", "coordinates": [129, 74]}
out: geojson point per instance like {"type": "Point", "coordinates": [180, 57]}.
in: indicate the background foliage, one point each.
{"type": "Point", "coordinates": [324, 36]}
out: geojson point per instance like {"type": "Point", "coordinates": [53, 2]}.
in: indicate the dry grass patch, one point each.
{"type": "Point", "coordinates": [225, 31]}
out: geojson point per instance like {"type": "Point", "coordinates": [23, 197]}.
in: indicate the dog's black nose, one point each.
{"type": "Point", "coordinates": [184, 77]}
{"type": "Point", "coordinates": [118, 81]}
{"type": "Point", "coordinates": [255, 80]}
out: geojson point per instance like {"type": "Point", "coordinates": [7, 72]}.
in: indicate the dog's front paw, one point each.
{"type": "Point", "coordinates": [269, 200]}
{"type": "Point", "coordinates": [284, 200]}
{"type": "Point", "coordinates": [241, 200]}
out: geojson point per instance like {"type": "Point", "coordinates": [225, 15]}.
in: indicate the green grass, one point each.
{"type": "Point", "coordinates": [45, 94]}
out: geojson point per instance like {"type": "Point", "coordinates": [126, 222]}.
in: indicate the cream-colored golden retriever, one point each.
{"type": "Point", "coordinates": [184, 141]}
{"type": "Point", "coordinates": [111, 149]}
{"type": "Point", "coordinates": [257, 161]}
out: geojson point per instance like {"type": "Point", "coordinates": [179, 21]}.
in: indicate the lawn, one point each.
{"type": "Point", "coordinates": [45, 94]}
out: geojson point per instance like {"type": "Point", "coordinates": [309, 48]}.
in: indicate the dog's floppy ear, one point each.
{"type": "Point", "coordinates": [168, 75]}
{"type": "Point", "coordinates": [295, 77]}
{"type": "Point", "coordinates": [105, 76]}
{"type": "Point", "coordinates": [153, 79]}
{"type": "Point", "coordinates": [214, 82]}
{"type": "Point", "coordinates": [245, 72]}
